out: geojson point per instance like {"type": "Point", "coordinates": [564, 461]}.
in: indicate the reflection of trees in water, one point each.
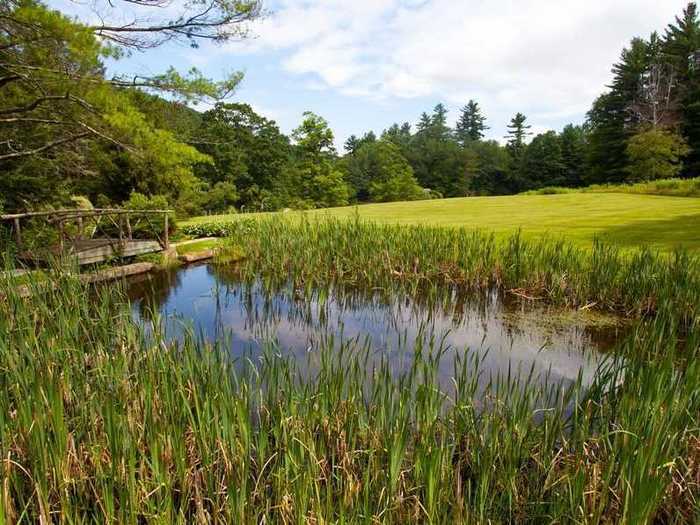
{"type": "Point", "coordinates": [267, 301]}
{"type": "Point", "coordinates": [268, 306]}
{"type": "Point", "coordinates": [150, 291]}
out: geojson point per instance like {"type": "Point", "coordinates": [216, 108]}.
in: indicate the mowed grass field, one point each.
{"type": "Point", "coordinates": [626, 220]}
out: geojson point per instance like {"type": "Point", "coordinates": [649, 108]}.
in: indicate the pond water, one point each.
{"type": "Point", "coordinates": [214, 303]}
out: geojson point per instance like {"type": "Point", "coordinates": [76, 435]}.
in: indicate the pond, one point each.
{"type": "Point", "coordinates": [504, 332]}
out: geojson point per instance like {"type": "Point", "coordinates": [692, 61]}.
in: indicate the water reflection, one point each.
{"type": "Point", "coordinates": [216, 304]}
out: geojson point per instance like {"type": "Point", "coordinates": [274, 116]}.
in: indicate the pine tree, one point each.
{"type": "Point", "coordinates": [517, 132]}
{"type": "Point", "coordinates": [425, 123]}
{"type": "Point", "coordinates": [573, 148]}
{"type": "Point", "coordinates": [610, 121]}
{"type": "Point", "coordinates": [471, 124]}
{"type": "Point", "coordinates": [438, 123]}
{"type": "Point", "coordinates": [682, 47]}
{"type": "Point", "coordinates": [351, 144]}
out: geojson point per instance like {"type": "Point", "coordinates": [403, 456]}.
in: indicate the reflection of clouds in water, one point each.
{"type": "Point", "coordinates": [248, 317]}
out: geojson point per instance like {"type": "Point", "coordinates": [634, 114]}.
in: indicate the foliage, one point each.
{"type": "Point", "coordinates": [471, 124]}
{"type": "Point", "coordinates": [210, 229]}
{"type": "Point", "coordinates": [73, 129]}
{"type": "Point", "coordinates": [150, 226]}
{"type": "Point", "coordinates": [313, 175]}
{"type": "Point", "coordinates": [488, 168]}
{"type": "Point", "coordinates": [669, 187]}
{"type": "Point", "coordinates": [378, 172]}
{"type": "Point", "coordinates": [177, 431]}
{"type": "Point", "coordinates": [655, 154]}
{"type": "Point", "coordinates": [542, 158]}
{"type": "Point", "coordinates": [248, 151]}
{"type": "Point", "coordinates": [517, 133]}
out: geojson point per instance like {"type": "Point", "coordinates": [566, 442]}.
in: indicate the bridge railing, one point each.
{"type": "Point", "coordinates": [75, 225]}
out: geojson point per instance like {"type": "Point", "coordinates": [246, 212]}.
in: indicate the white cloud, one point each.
{"type": "Point", "coordinates": [546, 58]}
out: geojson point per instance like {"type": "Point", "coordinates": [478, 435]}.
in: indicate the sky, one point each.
{"type": "Point", "coordinates": [365, 64]}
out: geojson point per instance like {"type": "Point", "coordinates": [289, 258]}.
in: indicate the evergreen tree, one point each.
{"type": "Point", "coordinates": [351, 144]}
{"type": "Point", "coordinates": [573, 154]}
{"type": "Point", "coordinates": [517, 133]}
{"type": "Point", "coordinates": [682, 47]}
{"type": "Point", "coordinates": [471, 124]}
{"type": "Point", "coordinates": [399, 135]}
{"type": "Point", "coordinates": [542, 163]}
{"type": "Point", "coordinates": [610, 121]}
{"type": "Point", "coordinates": [438, 123]}
{"type": "Point", "coordinates": [425, 123]}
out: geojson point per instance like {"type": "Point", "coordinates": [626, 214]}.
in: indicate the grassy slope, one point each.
{"type": "Point", "coordinates": [624, 219]}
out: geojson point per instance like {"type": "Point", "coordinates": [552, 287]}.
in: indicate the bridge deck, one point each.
{"type": "Point", "coordinates": [90, 251]}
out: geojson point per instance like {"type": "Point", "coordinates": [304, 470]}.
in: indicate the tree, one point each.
{"type": "Point", "coordinates": [439, 165]}
{"type": "Point", "coordinates": [379, 172]}
{"type": "Point", "coordinates": [438, 123]}
{"type": "Point", "coordinates": [188, 22]}
{"type": "Point", "coordinates": [488, 168]}
{"type": "Point", "coordinates": [573, 154]}
{"type": "Point", "coordinates": [610, 121]}
{"type": "Point", "coordinates": [517, 133]}
{"type": "Point", "coordinates": [542, 163]}
{"type": "Point", "coordinates": [471, 124]}
{"type": "Point", "coordinates": [314, 137]}
{"type": "Point", "coordinates": [655, 103]}
{"type": "Point", "coordinates": [681, 48]}
{"type": "Point", "coordinates": [65, 121]}
{"type": "Point", "coordinates": [400, 136]}
{"type": "Point", "coordinates": [351, 144]}
{"type": "Point", "coordinates": [315, 180]}
{"type": "Point", "coordinates": [425, 123]}
{"type": "Point", "coordinates": [248, 151]}
{"type": "Point", "coordinates": [655, 154]}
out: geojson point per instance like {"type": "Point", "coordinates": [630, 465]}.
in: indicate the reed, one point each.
{"type": "Point", "coordinates": [104, 420]}
{"type": "Point", "coordinates": [315, 252]}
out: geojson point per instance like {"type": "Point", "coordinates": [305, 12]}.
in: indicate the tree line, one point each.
{"type": "Point", "coordinates": [69, 129]}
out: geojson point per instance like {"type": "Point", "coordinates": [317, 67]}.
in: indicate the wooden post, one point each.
{"type": "Point", "coordinates": [18, 233]}
{"type": "Point", "coordinates": [166, 240]}
{"type": "Point", "coordinates": [121, 232]}
{"type": "Point", "coordinates": [129, 233]}
{"type": "Point", "coordinates": [60, 235]}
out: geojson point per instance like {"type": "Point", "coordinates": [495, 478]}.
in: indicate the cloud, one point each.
{"type": "Point", "coordinates": [547, 59]}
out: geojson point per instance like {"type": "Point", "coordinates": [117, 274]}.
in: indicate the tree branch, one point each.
{"type": "Point", "coordinates": [50, 145]}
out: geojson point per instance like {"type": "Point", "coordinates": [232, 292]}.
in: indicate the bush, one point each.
{"type": "Point", "coordinates": [670, 187]}
{"type": "Point", "coordinates": [218, 228]}
{"type": "Point", "coordinates": [148, 226]}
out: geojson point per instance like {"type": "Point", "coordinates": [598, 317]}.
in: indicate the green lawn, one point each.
{"type": "Point", "coordinates": [624, 219]}
{"type": "Point", "coordinates": [197, 246]}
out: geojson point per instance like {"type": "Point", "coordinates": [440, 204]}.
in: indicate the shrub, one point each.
{"type": "Point", "coordinates": [149, 225]}
{"type": "Point", "coordinates": [209, 229]}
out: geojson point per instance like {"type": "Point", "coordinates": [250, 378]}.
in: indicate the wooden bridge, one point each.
{"type": "Point", "coordinates": [91, 235]}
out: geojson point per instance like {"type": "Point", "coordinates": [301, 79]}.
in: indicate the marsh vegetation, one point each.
{"type": "Point", "coordinates": [107, 418]}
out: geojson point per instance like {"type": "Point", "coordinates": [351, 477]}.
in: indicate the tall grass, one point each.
{"type": "Point", "coordinates": [313, 253]}
{"type": "Point", "coordinates": [102, 420]}
{"type": "Point", "coordinates": [668, 187]}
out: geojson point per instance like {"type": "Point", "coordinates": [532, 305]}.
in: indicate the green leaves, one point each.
{"type": "Point", "coordinates": [655, 154]}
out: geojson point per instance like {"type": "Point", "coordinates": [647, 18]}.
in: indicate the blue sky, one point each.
{"type": "Point", "coordinates": [365, 64]}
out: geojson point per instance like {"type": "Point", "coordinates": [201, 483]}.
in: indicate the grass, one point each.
{"type": "Point", "coordinates": [629, 220]}
{"type": "Point", "coordinates": [626, 220]}
{"type": "Point", "coordinates": [429, 259]}
{"type": "Point", "coordinates": [198, 246]}
{"type": "Point", "coordinates": [102, 420]}
{"type": "Point", "coordinates": [670, 187]}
